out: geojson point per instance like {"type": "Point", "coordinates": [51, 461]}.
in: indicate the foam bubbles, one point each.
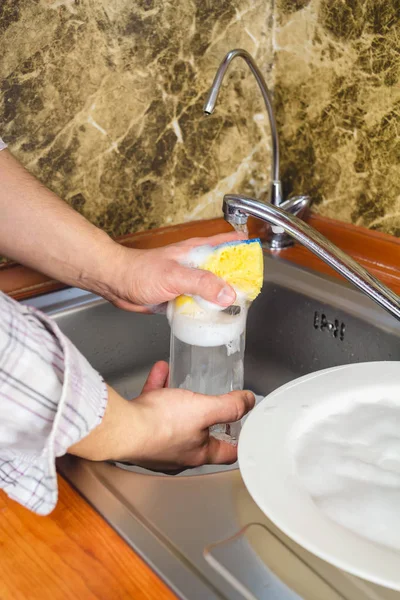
{"type": "Point", "coordinates": [202, 329]}
{"type": "Point", "coordinates": [349, 462]}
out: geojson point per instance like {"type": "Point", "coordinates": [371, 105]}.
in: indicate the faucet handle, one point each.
{"type": "Point", "coordinates": [297, 206]}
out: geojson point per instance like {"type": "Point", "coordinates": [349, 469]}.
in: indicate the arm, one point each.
{"type": "Point", "coordinates": [52, 401]}
{"type": "Point", "coordinates": [43, 232]}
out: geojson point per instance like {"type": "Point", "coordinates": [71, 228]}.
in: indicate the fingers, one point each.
{"type": "Point", "coordinates": [220, 453]}
{"type": "Point", "coordinates": [131, 307]}
{"type": "Point", "coordinates": [149, 309]}
{"type": "Point", "coordinates": [214, 240]}
{"type": "Point", "coordinates": [226, 408]}
{"type": "Point", "coordinates": [157, 378]}
{"type": "Point", "coordinates": [185, 280]}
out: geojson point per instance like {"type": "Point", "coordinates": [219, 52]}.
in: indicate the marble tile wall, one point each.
{"type": "Point", "coordinates": [337, 94]}
{"type": "Point", "coordinates": [101, 99]}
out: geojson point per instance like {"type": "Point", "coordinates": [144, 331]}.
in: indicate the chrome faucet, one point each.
{"type": "Point", "coordinates": [237, 208]}
{"type": "Point", "coordinates": [297, 205]}
{"type": "Point", "coordinates": [283, 215]}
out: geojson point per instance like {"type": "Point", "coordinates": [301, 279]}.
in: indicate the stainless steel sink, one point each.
{"type": "Point", "coordinates": [302, 322]}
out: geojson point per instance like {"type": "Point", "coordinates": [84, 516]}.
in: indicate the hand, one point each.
{"type": "Point", "coordinates": [79, 254]}
{"type": "Point", "coordinates": [165, 429]}
{"type": "Point", "coordinates": [146, 278]}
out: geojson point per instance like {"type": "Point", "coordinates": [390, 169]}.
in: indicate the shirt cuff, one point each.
{"type": "Point", "coordinates": [2, 145]}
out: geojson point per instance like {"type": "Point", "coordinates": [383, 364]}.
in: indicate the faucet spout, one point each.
{"type": "Point", "coordinates": [209, 106]}
{"type": "Point", "coordinates": [237, 208]}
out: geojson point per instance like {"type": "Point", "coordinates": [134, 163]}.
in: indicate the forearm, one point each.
{"type": "Point", "coordinates": [41, 231]}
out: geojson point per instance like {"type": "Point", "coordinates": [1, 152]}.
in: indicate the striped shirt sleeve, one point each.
{"type": "Point", "coordinates": [50, 398]}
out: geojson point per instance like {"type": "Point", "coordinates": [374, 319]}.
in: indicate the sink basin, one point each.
{"type": "Point", "coordinates": [302, 322]}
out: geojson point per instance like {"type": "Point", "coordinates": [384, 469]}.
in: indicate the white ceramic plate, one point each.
{"type": "Point", "coordinates": [268, 467]}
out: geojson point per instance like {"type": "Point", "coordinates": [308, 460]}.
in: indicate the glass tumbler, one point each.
{"type": "Point", "coordinates": [207, 352]}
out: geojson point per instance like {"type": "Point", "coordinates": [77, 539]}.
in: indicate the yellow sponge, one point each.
{"type": "Point", "coordinates": [240, 264]}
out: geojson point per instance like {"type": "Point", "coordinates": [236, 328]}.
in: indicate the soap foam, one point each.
{"type": "Point", "coordinates": [208, 328]}
{"type": "Point", "coordinates": [349, 461]}
{"type": "Point", "coordinates": [199, 332]}
{"type": "Point", "coordinates": [198, 256]}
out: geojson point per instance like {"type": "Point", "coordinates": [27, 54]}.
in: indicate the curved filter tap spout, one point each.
{"type": "Point", "coordinates": [276, 197]}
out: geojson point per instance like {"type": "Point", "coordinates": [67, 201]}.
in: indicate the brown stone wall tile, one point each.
{"type": "Point", "coordinates": [102, 101]}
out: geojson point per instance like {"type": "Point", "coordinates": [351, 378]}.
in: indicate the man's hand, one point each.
{"type": "Point", "coordinates": [165, 429]}
{"type": "Point", "coordinates": [143, 279]}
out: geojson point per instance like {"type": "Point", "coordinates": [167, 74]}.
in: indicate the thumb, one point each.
{"type": "Point", "coordinates": [157, 378]}
{"type": "Point", "coordinates": [186, 280]}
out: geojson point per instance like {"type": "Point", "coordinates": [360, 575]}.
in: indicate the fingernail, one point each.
{"type": "Point", "coordinates": [250, 397]}
{"type": "Point", "coordinates": [226, 296]}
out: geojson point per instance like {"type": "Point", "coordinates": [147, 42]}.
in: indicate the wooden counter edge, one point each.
{"type": "Point", "coordinates": [377, 252]}
{"type": "Point", "coordinates": [74, 553]}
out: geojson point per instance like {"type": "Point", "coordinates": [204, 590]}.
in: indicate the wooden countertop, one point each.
{"type": "Point", "coordinates": [73, 553]}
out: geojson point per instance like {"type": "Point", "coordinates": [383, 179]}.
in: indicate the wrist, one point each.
{"type": "Point", "coordinates": [116, 437]}
{"type": "Point", "coordinates": [117, 279]}
{"type": "Point", "coordinates": [102, 274]}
